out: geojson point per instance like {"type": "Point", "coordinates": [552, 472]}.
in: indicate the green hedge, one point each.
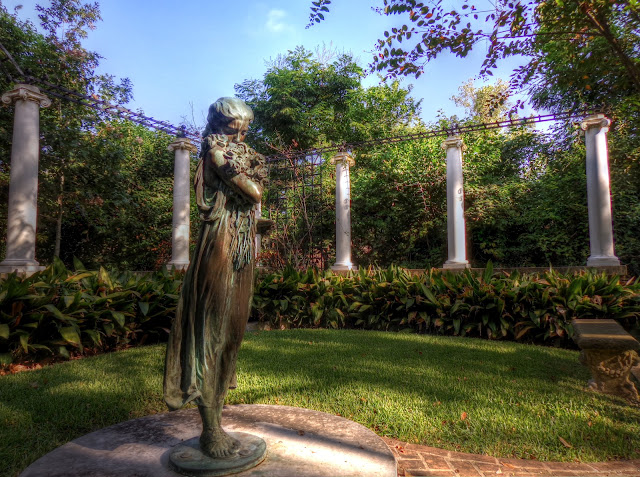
{"type": "Point", "coordinates": [526, 308]}
{"type": "Point", "coordinates": [61, 312]}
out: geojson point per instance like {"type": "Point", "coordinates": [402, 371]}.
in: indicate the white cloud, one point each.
{"type": "Point", "coordinates": [275, 21]}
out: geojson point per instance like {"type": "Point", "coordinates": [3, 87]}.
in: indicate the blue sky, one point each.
{"type": "Point", "coordinates": [182, 56]}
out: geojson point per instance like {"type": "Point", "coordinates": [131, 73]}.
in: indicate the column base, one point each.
{"type": "Point", "coordinates": [452, 265]}
{"type": "Point", "coordinates": [177, 265]}
{"type": "Point", "coordinates": [603, 261]}
{"type": "Point", "coordinates": [21, 266]}
{"type": "Point", "coordinates": [343, 266]}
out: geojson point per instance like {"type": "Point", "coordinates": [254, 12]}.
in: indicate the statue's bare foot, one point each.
{"type": "Point", "coordinates": [218, 443]}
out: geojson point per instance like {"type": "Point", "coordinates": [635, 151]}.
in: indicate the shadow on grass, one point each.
{"type": "Point", "coordinates": [41, 410]}
{"type": "Point", "coordinates": [525, 396]}
{"type": "Point", "coordinates": [401, 362]}
{"type": "Point", "coordinates": [412, 387]}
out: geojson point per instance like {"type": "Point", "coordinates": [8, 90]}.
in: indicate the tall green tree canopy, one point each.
{"type": "Point", "coordinates": [304, 101]}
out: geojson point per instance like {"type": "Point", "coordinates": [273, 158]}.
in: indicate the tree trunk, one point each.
{"type": "Point", "coordinates": [56, 251]}
{"type": "Point", "coordinates": [601, 24]}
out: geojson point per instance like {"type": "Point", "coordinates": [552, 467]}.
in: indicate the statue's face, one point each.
{"type": "Point", "coordinates": [236, 130]}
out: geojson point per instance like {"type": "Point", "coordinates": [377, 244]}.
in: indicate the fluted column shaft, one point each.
{"type": "Point", "coordinates": [456, 229]}
{"type": "Point", "coordinates": [23, 186]}
{"type": "Point", "coordinates": [181, 203]}
{"type": "Point", "coordinates": [343, 162]}
{"type": "Point", "coordinates": [599, 192]}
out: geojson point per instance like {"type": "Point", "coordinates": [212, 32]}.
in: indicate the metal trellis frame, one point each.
{"type": "Point", "coordinates": [295, 198]}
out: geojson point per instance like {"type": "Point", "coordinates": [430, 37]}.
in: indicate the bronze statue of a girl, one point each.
{"type": "Point", "coordinates": [216, 294]}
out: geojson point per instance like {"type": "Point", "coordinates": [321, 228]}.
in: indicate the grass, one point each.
{"type": "Point", "coordinates": [497, 398]}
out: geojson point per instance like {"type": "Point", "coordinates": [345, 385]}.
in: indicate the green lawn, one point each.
{"type": "Point", "coordinates": [497, 398]}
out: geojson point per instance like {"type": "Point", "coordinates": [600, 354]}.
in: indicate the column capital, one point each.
{"type": "Point", "coordinates": [343, 157]}
{"type": "Point", "coordinates": [453, 141]}
{"type": "Point", "coordinates": [26, 92]}
{"type": "Point", "coordinates": [595, 121]}
{"type": "Point", "coordinates": [182, 143]}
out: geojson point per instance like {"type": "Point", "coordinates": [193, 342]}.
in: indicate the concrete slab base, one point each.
{"type": "Point", "coordinates": [300, 443]}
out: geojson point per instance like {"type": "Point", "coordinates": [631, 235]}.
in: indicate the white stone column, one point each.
{"type": "Point", "coordinates": [598, 192]}
{"type": "Point", "coordinates": [23, 186]}
{"type": "Point", "coordinates": [181, 203]}
{"type": "Point", "coordinates": [456, 230]}
{"type": "Point", "coordinates": [343, 161]}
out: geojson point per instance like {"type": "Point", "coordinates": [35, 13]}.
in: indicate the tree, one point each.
{"type": "Point", "coordinates": [525, 196]}
{"type": "Point", "coordinates": [399, 205]}
{"type": "Point", "coordinates": [300, 102]}
{"type": "Point", "coordinates": [485, 104]}
{"type": "Point", "coordinates": [582, 54]}
{"type": "Point", "coordinates": [517, 184]}
{"type": "Point", "coordinates": [306, 101]}
{"type": "Point", "coordinates": [122, 214]}
{"type": "Point", "coordinates": [599, 64]}
{"type": "Point", "coordinates": [59, 57]}
{"type": "Point", "coordinates": [600, 69]}
{"type": "Point", "coordinates": [66, 23]}
{"type": "Point", "coordinates": [535, 28]}
{"type": "Point", "coordinates": [105, 192]}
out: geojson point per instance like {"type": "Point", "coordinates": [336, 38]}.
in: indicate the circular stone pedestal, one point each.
{"type": "Point", "coordinates": [300, 443]}
{"type": "Point", "coordinates": [188, 459]}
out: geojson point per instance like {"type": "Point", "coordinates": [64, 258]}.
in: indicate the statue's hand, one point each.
{"type": "Point", "coordinates": [224, 156]}
{"type": "Point", "coordinates": [219, 141]}
{"type": "Point", "coordinates": [229, 155]}
{"type": "Point", "coordinates": [234, 166]}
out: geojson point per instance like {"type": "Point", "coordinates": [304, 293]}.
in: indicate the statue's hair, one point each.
{"type": "Point", "coordinates": [223, 111]}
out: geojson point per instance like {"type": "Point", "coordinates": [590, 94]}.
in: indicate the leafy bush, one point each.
{"type": "Point", "coordinates": [62, 312]}
{"type": "Point", "coordinates": [528, 308]}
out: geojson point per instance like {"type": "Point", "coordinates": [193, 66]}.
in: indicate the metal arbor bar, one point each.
{"type": "Point", "coordinates": [439, 132]}
{"type": "Point", "coordinates": [138, 117]}
{"type": "Point", "coordinates": [95, 103]}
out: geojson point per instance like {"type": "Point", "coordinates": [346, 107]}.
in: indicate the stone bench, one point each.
{"type": "Point", "coordinates": [610, 353]}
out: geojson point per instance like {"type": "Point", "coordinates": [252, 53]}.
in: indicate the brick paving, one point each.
{"type": "Point", "coordinates": [422, 461]}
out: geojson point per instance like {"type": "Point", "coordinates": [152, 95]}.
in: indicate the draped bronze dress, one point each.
{"type": "Point", "coordinates": [215, 301]}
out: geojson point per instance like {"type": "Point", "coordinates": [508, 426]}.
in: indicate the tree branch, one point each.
{"type": "Point", "coordinates": [603, 27]}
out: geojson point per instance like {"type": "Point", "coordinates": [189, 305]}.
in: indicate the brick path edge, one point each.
{"type": "Point", "coordinates": [423, 461]}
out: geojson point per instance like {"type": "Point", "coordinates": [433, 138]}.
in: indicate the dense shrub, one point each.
{"type": "Point", "coordinates": [61, 312]}
{"type": "Point", "coordinates": [58, 312]}
{"type": "Point", "coordinates": [528, 308]}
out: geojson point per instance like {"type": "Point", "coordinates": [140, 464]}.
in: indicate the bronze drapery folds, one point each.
{"type": "Point", "coordinates": [216, 295]}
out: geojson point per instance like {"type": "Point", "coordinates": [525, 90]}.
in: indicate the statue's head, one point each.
{"type": "Point", "coordinates": [230, 116]}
